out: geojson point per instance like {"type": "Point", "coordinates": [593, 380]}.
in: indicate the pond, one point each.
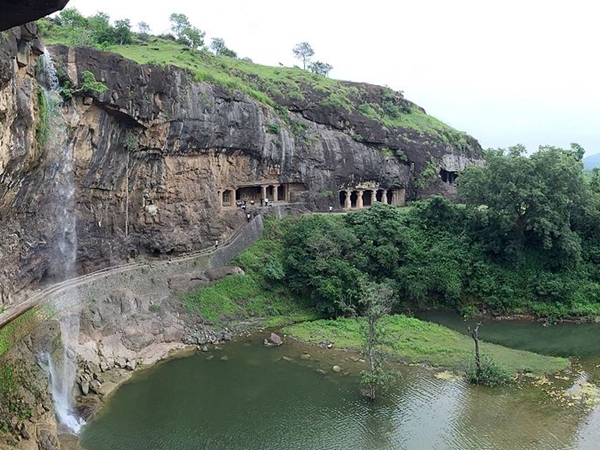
{"type": "Point", "coordinates": [246, 396]}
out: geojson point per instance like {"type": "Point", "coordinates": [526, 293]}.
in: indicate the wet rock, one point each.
{"type": "Point", "coordinates": [305, 356]}
{"type": "Point", "coordinates": [224, 358]}
{"type": "Point", "coordinates": [273, 340]}
{"type": "Point", "coordinates": [336, 369]}
{"type": "Point", "coordinates": [95, 387]}
{"type": "Point", "coordinates": [131, 365]}
{"type": "Point", "coordinates": [84, 385]}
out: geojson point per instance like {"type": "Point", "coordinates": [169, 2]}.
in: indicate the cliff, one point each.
{"type": "Point", "coordinates": [158, 161]}
{"type": "Point", "coordinates": [16, 13]}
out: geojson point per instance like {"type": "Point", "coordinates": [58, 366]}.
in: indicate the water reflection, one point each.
{"type": "Point", "coordinates": [249, 397]}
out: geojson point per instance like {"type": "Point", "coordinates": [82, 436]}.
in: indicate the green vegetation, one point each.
{"type": "Point", "coordinates": [376, 298]}
{"type": "Point", "coordinates": [259, 293]}
{"type": "Point", "coordinates": [16, 329]}
{"type": "Point", "coordinates": [416, 342]}
{"type": "Point", "coordinates": [88, 85]}
{"type": "Point", "coordinates": [269, 85]}
{"type": "Point", "coordinates": [489, 374]}
{"type": "Point", "coordinates": [527, 240]}
{"type": "Point", "coordinates": [42, 132]}
{"type": "Point", "coordinates": [15, 378]}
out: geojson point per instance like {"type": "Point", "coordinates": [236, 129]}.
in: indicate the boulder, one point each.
{"type": "Point", "coordinates": [273, 340]}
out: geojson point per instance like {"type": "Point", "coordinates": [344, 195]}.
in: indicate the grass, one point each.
{"type": "Point", "coordinates": [275, 85]}
{"type": "Point", "coordinates": [415, 341]}
{"type": "Point", "coordinates": [253, 295]}
{"type": "Point", "coordinates": [18, 328]}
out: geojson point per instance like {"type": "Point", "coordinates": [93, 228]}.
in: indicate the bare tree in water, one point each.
{"type": "Point", "coordinates": [475, 335]}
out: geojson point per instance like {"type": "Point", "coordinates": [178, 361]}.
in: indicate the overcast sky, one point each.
{"type": "Point", "coordinates": [506, 72]}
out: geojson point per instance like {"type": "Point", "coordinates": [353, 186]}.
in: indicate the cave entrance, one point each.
{"type": "Point", "coordinates": [367, 198]}
{"type": "Point", "coordinates": [353, 199]}
{"type": "Point", "coordinates": [282, 193]}
{"type": "Point", "coordinates": [227, 199]}
{"type": "Point", "coordinates": [248, 193]}
{"type": "Point", "coordinates": [342, 199]}
{"type": "Point", "coordinates": [448, 176]}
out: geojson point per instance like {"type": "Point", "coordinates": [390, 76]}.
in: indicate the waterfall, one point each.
{"type": "Point", "coordinates": [62, 364]}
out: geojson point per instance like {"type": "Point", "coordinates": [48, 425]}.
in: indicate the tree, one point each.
{"type": "Point", "coordinates": [218, 46]}
{"type": "Point", "coordinates": [143, 31]}
{"type": "Point", "coordinates": [320, 262]}
{"type": "Point", "coordinates": [122, 32]}
{"type": "Point", "coordinates": [528, 202]}
{"type": "Point", "coordinates": [193, 37]}
{"type": "Point", "coordinates": [320, 68]}
{"type": "Point", "coordinates": [303, 52]}
{"type": "Point", "coordinates": [179, 22]}
{"type": "Point", "coordinates": [376, 299]}
{"type": "Point", "coordinates": [101, 30]}
{"type": "Point", "coordinates": [185, 32]}
{"type": "Point", "coordinates": [72, 18]}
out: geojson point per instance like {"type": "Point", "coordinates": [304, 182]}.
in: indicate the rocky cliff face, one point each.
{"type": "Point", "coordinates": [16, 13]}
{"type": "Point", "coordinates": [159, 160]}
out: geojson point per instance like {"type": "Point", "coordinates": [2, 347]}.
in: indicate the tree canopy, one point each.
{"type": "Point", "coordinates": [529, 202]}
{"type": "Point", "coordinates": [303, 51]}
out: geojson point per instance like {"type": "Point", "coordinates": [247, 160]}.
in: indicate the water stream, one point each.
{"type": "Point", "coordinates": [63, 365]}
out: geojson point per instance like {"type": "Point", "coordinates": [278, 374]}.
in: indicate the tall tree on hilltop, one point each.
{"type": "Point", "coordinates": [218, 46]}
{"type": "Point", "coordinates": [185, 32]}
{"type": "Point", "coordinates": [303, 51]}
{"type": "Point", "coordinates": [143, 30]}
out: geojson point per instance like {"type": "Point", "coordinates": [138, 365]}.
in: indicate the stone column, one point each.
{"type": "Point", "coordinates": [348, 204]}
{"type": "Point", "coordinates": [263, 192]}
{"type": "Point", "coordinates": [373, 196]}
{"type": "Point", "coordinates": [359, 200]}
{"type": "Point", "coordinates": [275, 193]}
{"type": "Point", "coordinates": [384, 197]}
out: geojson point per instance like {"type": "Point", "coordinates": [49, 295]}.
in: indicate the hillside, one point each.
{"type": "Point", "coordinates": [591, 161]}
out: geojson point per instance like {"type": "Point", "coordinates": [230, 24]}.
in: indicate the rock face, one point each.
{"type": "Point", "coordinates": [16, 13]}
{"type": "Point", "coordinates": [159, 160]}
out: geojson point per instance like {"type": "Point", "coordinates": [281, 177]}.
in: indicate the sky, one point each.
{"type": "Point", "coordinates": [507, 72]}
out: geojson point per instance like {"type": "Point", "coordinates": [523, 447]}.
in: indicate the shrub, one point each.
{"type": "Point", "coordinates": [273, 128]}
{"type": "Point", "coordinates": [492, 374]}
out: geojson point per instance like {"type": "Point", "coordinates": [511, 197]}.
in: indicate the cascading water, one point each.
{"type": "Point", "coordinates": [62, 364]}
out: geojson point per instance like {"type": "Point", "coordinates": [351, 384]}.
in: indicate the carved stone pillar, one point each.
{"type": "Point", "coordinates": [348, 204]}
{"type": "Point", "coordinates": [276, 193]}
{"type": "Point", "coordinates": [359, 199]}
{"type": "Point", "coordinates": [373, 196]}
{"type": "Point", "coordinates": [263, 192]}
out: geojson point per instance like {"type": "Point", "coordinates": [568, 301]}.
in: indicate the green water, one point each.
{"type": "Point", "coordinates": [248, 397]}
{"type": "Point", "coordinates": [561, 339]}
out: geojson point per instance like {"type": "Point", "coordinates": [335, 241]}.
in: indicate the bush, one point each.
{"type": "Point", "coordinates": [492, 374]}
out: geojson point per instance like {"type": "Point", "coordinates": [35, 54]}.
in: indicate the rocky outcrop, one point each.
{"type": "Point", "coordinates": [159, 159]}
{"type": "Point", "coordinates": [16, 13]}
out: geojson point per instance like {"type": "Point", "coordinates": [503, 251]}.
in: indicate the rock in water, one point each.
{"type": "Point", "coordinates": [273, 340]}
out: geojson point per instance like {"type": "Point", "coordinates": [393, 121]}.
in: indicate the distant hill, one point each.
{"type": "Point", "coordinates": [589, 162]}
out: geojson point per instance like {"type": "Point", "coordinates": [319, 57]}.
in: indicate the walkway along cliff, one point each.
{"type": "Point", "coordinates": [160, 160]}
